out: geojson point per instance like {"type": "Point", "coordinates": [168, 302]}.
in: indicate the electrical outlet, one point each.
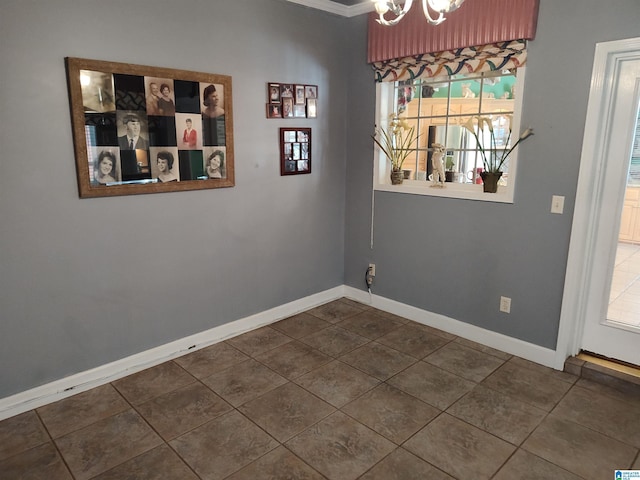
{"type": "Point", "coordinates": [505, 304]}
{"type": "Point", "coordinates": [557, 204]}
{"type": "Point", "coordinates": [369, 275]}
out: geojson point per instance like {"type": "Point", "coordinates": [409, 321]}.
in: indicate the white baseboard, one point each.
{"type": "Point", "coordinates": [514, 346]}
{"type": "Point", "coordinates": [80, 382]}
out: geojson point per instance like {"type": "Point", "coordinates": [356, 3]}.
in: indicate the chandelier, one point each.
{"type": "Point", "coordinates": [439, 6]}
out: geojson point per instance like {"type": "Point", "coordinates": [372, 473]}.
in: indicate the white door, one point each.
{"type": "Point", "coordinates": [614, 133]}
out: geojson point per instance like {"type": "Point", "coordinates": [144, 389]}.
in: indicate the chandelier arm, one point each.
{"type": "Point", "coordinates": [432, 21]}
{"type": "Point", "coordinates": [400, 16]}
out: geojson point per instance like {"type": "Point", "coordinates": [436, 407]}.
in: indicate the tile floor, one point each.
{"type": "Point", "coordinates": [624, 298]}
{"type": "Point", "coordinates": [340, 392]}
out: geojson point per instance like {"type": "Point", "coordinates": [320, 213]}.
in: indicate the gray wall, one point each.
{"type": "Point", "coordinates": [460, 256]}
{"type": "Point", "coordinates": [86, 282]}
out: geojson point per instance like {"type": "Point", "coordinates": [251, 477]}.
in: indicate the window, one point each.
{"type": "Point", "coordinates": [439, 108]}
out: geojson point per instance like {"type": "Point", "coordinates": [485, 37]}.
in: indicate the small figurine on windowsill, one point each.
{"type": "Point", "coordinates": [437, 176]}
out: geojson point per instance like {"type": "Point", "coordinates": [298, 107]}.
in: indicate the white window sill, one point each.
{"type": "Point", "coordinates": [451, 190]}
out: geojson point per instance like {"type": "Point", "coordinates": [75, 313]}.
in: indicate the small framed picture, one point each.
{"type": "Point", "coordinates": [299, 111]}
{"type": "Point", "coordinates": [287, 107]}
{"type": "Point", "coordinates": [311, 91]}
{"type": "Point", "coordinates": [286, 90]}
{"type": "Point", "coordinates": [273, 90]}
{"type": "Point", "coordinates": [290, 166]}
{"type": "Point", "coordinates": [300, 95]}
{"type": "Point", "coordinates": [312, 111]}
{"type": "Point", "coordinates": [273, 110]}
{"type": "Point", "coordinates": [295, 151]}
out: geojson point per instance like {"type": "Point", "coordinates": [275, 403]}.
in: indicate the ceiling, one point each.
{"type": "Point", "coordinates": [350, 2]}
{"type": "Point", "coordinates": [346, 8]}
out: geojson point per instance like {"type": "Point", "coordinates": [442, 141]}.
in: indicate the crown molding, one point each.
{"type": "Point", "coordinates": [365, 6]}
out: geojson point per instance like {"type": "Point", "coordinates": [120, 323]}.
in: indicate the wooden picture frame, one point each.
{"type": "Point", "coordinates": [295, 150]}
{"type": "Point", "coordinates": [299, 93]}
{"type": "Point", "coordinates": [273, 110]}
{"type": "Point", "coordinates": [273, 92]}
{"type": "Point", "coordinates": [181, 122]}
{"type": "Point", "coordinates": [312, 108]}
{"type": "Point", "coordinates": [311, 92]}
{"type": "Point", "coordinates": [291, 100]}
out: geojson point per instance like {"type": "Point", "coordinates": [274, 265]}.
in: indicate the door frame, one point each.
{"type": "Point", "coordinates": [588, 203]}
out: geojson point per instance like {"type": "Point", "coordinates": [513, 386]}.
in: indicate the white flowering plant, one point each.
{"type": "Point", "coordinates": [493, 157]}
{"type": "Point", "coordinates": [397, 141]}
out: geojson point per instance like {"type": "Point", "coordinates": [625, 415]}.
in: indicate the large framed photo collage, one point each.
{"type": "Point", "coordinates": [140, 129]}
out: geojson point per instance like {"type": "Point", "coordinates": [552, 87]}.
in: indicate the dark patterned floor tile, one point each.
{"type": "Point", "coordinates": [413, 341]}
{"type": "Point", "coordinates": [300, 325]}
{"type": "Point", "coordinates": [526, 466]}
{"type": "Point", "coordinates": [483, 348]}
{"type": "Point", "coordinates": [464, 362]}
{"type": "Point", "coordinates": [286, 411]}
{"type": "Point", "coordinates": [21, 433]}
{"type": "Point", "coordinates": [161, 463]}
{"type": "Point", "coordinates": [378, 360]}
{"type": "Point", "coordinates": [83, 409]}
{"type": "Point", "coordinates": [431, 384]}
{"type": "Point", "coordinates": [528, 385]}
{"type": "Point", "coordinates": [279, 464]}
{"type": "Point", "coordinates": [152, 382]}
{"type": "Point", "coordinates": [39, 463]}
{"type": "Point", "coordinates": [244, 382]}
{"type": "Point", "coordinates": [498, 413]}
{"type": "Point", "coordinates": [211, 359]}
{"type": "Point", "coordinates": [293, 359]}
{"type": "Point", "coordinates": [557, 374]}
{"type": "Point", "coordinates": [223, 446]}
{"type": "Point", "coordinates": [340, 448]}
{"type": "Point", "coordinates": [402, 465]}
{"type": "Point", "coordinates": [337, 383]}
{"type": "Point", "coordinates": [103, 445]}
{"type": "Point", "coordinates": [370, 325]}
{"type": "Point", "coordinates": [334, 341]}
{"type": "Point", "coordinates": [460, 449]}
{"type": "Point", "coordinates": [181, 410]}
{"type": "Point", "coordinates": [391, 412]}
{"type": "Point", "coordinates": [580, 450]}
{"type": "Point", "coordinates": [259, 341]}
{"type": "Point", "coordinates": [337, 310]}
{"type": "Point", "coordinates": [611, 416]}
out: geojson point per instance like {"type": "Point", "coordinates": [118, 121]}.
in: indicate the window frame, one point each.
{"type": "Point", "coordinates": [381, 170]}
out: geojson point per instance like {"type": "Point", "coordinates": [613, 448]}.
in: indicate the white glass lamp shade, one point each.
{"type": "Point", "coordinates": [381, 6]}
{"type": "Point", "coordinates": [445, 6]}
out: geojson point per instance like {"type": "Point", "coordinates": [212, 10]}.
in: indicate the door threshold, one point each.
{"type": "Point", "coordinates": [617, 376]}
{"type": "Point", "coordinates": [610, 363]}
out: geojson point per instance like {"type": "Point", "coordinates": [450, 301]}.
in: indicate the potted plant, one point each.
{"type": "Point", "coordinates": [493, 158]}
{"type": "Point", "coordinates": [397, 143]}
{"type": "Point", "coordinates": [449, 168]}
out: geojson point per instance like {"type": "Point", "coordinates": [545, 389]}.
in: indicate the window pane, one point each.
{"type": "Point", "coordinates": [440, 108]}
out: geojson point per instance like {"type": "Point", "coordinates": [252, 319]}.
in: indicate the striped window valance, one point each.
{"type": "Point", "coordinates": [484, 58]}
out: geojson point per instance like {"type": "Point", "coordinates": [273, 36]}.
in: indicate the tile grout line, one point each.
{"type": "Point", "coordinates": [55, 445]}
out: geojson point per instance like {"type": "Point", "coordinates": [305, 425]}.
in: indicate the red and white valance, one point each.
{"type": "Point", "coordinates": [484, 58]}
{"type": "Point", "coordinates": [476, 22]}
